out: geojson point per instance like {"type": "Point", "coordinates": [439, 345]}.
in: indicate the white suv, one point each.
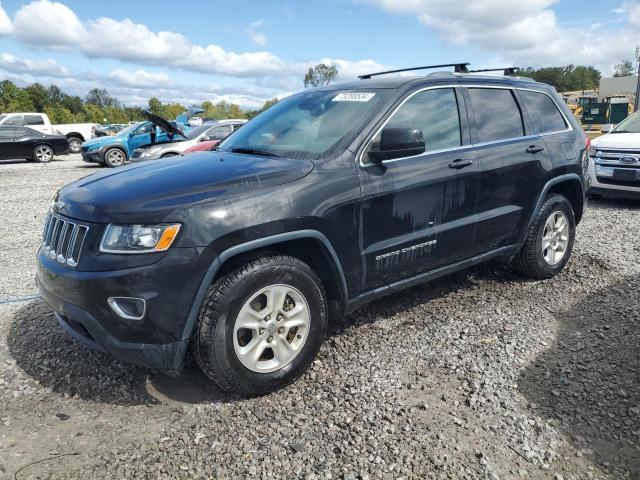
{"type": "Point", "coordinates": [614, 161]}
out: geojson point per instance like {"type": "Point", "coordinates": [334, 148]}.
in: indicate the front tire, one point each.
{"type": "Point", "coordinates": [114, 157]}
{"type": "Point", "coordinates": [261, 325]}
{"type": "Point", "coordinates": [549, 242]}
{"type": "Point", "coordinates": [43, 153]}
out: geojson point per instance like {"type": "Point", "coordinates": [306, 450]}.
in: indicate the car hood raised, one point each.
{"type": "Point", "coordinates": [618, 140]}
{"type": "Point", "coordinates": [147, 192]}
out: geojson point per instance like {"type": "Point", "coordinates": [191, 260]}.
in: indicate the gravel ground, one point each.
{"type": "Point", "coordinates": [478, 375]}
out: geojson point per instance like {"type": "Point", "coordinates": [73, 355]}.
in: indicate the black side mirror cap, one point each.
{"type": "Point", "coordinates": [397, 142]}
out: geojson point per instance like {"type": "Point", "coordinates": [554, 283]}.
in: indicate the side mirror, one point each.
{"type": "Point", "coordinates": [397, 142]}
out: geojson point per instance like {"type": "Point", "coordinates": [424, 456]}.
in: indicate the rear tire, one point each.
{"type": "Point", "coordinates": [549, 243]}
{"type": "Point", "coordinates": [114, 157]}
{"type": "Point", "coordinates": [245, 341]}
{"type": "Point", "coordinates": [74, 144]}
{"type": "Point", "coordinates": [43, 153]}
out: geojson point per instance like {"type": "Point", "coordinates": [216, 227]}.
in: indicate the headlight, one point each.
{"type": "Point", "coordinates": [138, 238]}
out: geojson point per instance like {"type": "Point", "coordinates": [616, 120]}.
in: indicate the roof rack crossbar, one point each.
{"type": "Point", "coordinates": [459, 68]}
{"type": "Point", "coordinates": [508, 71]}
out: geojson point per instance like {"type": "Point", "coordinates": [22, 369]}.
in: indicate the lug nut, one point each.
{"type": "Point", "coordinates": [281, 330]}
{"type": "Point", "coordinates": [270, 339]}
{"type": "Point", "coordinates": [261, 331]}
{"type": "Point", "coordinates": [267, 318]}
{"type": "Point", "coordinates": [279, 317]}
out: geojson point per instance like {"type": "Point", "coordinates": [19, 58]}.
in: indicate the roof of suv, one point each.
{"type": "Point", "coordinates": [398, 81]}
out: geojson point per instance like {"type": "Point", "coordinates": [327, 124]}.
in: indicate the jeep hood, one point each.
{"type": "Point", "coordinates": [146, 192]}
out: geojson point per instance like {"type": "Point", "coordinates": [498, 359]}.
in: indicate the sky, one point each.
{"type": "Point", "coordinates": [246, 51]}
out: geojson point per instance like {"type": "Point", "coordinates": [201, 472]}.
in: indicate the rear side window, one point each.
{"type": "Point", "coordinates": [497, 114]}
{"type": "Point", "coordinates": [219, 133]}
{"type": "Point", "coordinates": [33, 120]}
{"type": "Point", "coordinates": [543, 112]}
{"type": "Point", "coordinates": [435, 113]}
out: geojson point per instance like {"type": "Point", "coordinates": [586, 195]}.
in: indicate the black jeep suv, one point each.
{"type": "Point", "coordinates": [331, 198]}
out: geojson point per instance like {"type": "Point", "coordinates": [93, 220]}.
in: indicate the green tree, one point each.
{"type": "Point", "coordinates": [55, 95]}
{"type": "Point", "coordinates": [320, 75]}
{"type": "Point", "coordinates": [73, 104]}
{"type": "Point", "coordinates": [101, 98]}
{"type": "Point", "coordinates": [59, 114]}
{"type": "Point", "coordinates": [624, 69]}
{"type": "Point", "coordinates": [155, 105]}
{"type": "Point", "coordinates": [567, 78]}
{"type": "Point", "coordinates": [265, 106]}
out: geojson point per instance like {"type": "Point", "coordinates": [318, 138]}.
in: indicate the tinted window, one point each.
{"type": "Point", "coordinates": [497, 114]}
{"type": "Point", "coordinates": [435, 113]}
{"type": "Point", "coordinates": [218, 133]}
{"type": "Point", "coordinates": [14, 120]}
{"type": "Point", "coordinates": [33, 120]}
{"type": "Point", "coordinates": [543, 112]}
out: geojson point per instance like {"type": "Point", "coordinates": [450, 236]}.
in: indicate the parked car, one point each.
{"type": "Point", "coordinates": [329, 199]}
{"type": "Point", "coordinates": [207, 132]}
{"type": "Point", "coordinates": [114, 151]}
{"type": "Point", "coordinates": [107, 130]}
{"type": "Point", "coordinates": [27, 143]}
{"type": "Point", "coordinates": [203, 146]}
{"type": "Point", "coordinates": [76, 133]}
{"type": "Point", "coordinates": [614, 161]}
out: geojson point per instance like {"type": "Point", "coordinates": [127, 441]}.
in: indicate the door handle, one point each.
{"type": "Point", "coordinates": [460, 163]}
{"type": "Point", "coordinates": [534, 149]}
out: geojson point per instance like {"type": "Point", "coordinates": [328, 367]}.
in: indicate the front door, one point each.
{"type": "Point", "coordinates": [417, 212]}
{"type": "Point", "coordinates": [141, 136]}
{"type": "Point", "coordinates": [512, 162]}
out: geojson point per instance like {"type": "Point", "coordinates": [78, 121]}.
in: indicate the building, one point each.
{"type": "Point", "coordinates": [618, 86]}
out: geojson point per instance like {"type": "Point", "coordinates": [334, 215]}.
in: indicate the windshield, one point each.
{"type": "Point", "coordinates": [197, 131]}
{"type": "Point", "coordinates": [628, 125]}
{"type": "Point", "coordinates": [3, 116]}
{"type": "Point", "coordinates": [308, 125]}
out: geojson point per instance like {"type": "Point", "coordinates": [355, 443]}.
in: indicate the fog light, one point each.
{"type": "Point", "coordinates": [129, 308]}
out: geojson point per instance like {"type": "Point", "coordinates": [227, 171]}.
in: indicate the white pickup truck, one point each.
{"type": "Point", "coordinates": [76, 133]}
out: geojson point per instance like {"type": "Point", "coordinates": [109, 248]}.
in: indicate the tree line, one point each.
{"type": "Point", "coordinates": [100, 107]}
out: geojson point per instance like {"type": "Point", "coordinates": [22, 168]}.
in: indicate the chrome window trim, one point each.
{"type": "Point", "coordinates": [367, 144]}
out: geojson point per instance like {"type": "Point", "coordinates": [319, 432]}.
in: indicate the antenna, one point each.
{"type": "Point", "coordinates": [459, 68]}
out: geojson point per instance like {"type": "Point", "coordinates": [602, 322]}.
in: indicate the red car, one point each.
{"type": "Point", "coordinates": [202, 146]}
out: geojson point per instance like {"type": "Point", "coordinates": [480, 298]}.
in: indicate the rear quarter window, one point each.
{"type": "Point", "coordinates": [497, 114]}
{"type": "Point", "coordinates": [33, 120]}
{"type": "Point", "coordinates": [543, 112]}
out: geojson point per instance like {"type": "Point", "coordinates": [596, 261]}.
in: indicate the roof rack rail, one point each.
{"type": "Point", "coordinates": [459, 68]}
{"type": "Point", "coordinates": [508, 71]}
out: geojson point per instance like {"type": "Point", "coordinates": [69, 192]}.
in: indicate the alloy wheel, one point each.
{"type": "Point", "coordinates": [116, 158]}
{"type": "Point", "coordinates": [43, 153]}
{"type": "Point", "coordinates": [555, 238]}
{"type": "Point", "coordinates": [271, 328]}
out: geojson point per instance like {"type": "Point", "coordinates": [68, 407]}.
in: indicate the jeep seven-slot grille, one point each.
{"type": "Point", "coordinates": [62, 239]}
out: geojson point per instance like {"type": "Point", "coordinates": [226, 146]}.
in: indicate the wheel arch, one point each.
{"type": "Point", "coordinates": [571, 186]}
{"type": "Point", "coordinates": [76, 135]}
{"type": "Point", "coordinates": [310, 246]}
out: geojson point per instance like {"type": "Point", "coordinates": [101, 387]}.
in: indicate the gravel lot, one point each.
{"type": "Point", "coordinates": [479, 375]}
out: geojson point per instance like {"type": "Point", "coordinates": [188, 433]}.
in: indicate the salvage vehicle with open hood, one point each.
{"type": "Point", "coordinates": [114, 151]}
{"type": "Point", "coordinates": [208, 132]}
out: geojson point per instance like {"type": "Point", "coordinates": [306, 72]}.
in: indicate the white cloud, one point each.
{"type": "Point", "coordinates": [53, 24]}
{"type": "Point", "coordinates": [6, 26]}
{"type": "Point", "coordinates": [140, 79]}
{"type": "Point", "coordinates": [11, 63]}
{"type": "Point", "coordinates": [256, 37]}
{"type": "Point", "coordinates": [524, 32]}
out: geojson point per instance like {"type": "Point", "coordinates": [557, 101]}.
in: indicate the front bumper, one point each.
{"type": "Point", "coordinates": [95, 156]}
{"type": "Point", "coordinates": [602, 183]}
{"type": "Point", "coordinates": [156, 341]}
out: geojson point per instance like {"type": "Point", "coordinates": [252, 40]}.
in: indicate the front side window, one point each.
{"type": "Point", "coordinates": [14, 120]}
{"type": "Point", "coordinates": [435, 114]}
{"type": "Point", "coordinates": [33, 120]}
{"type": "Point", "coordinates": [497, 114]}
{"type": "Point", "coordinates": [544, 113]}
{"type": "Point", "coordinates": [218, 133]}
{"type": "Point", "coordinates": [144, 128]}
{"type": "Point", "coordinates": [309, 125]}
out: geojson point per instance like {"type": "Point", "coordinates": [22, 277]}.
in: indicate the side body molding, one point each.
{"type": "Point", "coordinates": [254, 245]}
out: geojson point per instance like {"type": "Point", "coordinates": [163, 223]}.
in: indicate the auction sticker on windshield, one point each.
{"type": "Point", "coordinates": [353, 97]}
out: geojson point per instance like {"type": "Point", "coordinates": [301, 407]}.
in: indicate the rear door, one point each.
{"type": "Point", "coordinates": [417, 212]}
{"type": "Point", "coordinates": [513, 162]}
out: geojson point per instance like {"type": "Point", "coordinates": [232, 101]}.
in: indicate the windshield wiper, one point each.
{"type": "Point", "coordinates": [253, 151]}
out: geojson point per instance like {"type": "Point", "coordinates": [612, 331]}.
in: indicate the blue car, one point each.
{"type": "Point", "coordinates": [115, 150]}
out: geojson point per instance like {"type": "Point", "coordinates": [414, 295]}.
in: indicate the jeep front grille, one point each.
{"type": "Point", "coordinates": [62, 239]}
